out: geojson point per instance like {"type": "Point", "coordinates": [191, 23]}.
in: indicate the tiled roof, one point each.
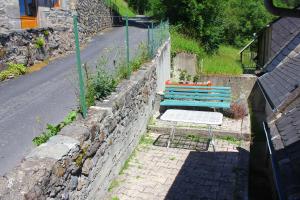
{"type": "Point", "coordinates": [284, 52]}
{"type": "Point", "coordinates": [287, 151]}
{"type": "Point", "coordinates": [284, 79]}
{"type": "Point", "coordinates": [283, 30]}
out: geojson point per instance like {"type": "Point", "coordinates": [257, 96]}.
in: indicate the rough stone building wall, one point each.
{"type": "Point", "coordinates": [86, 156]}
{"type": "Point", "coordinates": [9, 15]}
{"type": "Point", "coordinates": [19, 46]}
{"type": "Point", "coordinates": [90, 19]}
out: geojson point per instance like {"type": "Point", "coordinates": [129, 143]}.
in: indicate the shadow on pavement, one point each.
{"type": "Point", "coordinates": [208, 175]}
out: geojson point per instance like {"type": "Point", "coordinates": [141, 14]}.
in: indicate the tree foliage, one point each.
{"type": "Point", "coordinates": [213, 22]}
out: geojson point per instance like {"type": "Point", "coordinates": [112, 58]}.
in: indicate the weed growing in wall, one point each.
{"type": "Point", "coordinates": [40, 43]}
{"type": "Point", "coordinates": [141, 58]}
{"type": "Point", "coordinates": [53, 130]}
{"type": "Point", "coordinates": [46, 33]}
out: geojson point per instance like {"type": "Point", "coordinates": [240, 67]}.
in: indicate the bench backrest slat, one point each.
{"type": "Point", "coordinates": [228, 95]}
{"type": "Point", "coordinates": [198, 90]}
{"type": "Point", "coordinates": [198, 87]}
{"type": "Point", "coordinates": [208, 98]}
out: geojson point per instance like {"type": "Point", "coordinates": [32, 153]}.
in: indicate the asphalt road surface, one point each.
{"type": "Point", "coordinates": [29, 102]}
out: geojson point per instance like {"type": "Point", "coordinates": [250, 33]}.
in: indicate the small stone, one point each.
{"type": "Point", "coordinates": [81, 183]}
{"type": "Point", "coordinates": [65, 196]}
{"type": "Point", "coordinates": [74, 169]}
{"type": "Point", "coordinates": [59, 170]}
{"type": "Point", "coordinates": [87, 166]}
{"type": "Point", "coordinates": [74, 182]}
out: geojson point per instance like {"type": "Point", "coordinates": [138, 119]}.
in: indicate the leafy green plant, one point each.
{"type": "Point", "coordinates": [188, 77]}
{"type": "Point", "coordinates": [103, 84]}
{"type": "Point", "coordinates": [40, 42]}
{"type": "Point", "coordinates": [13, 70]}
{"type": "Point", "coordinates": [123, 72]}
{"type": "Point", "coordinates": [182, 75]}
{"type": "Point", "coordinates": [114, 184]}
{"type": "Point", "coordinates": [115, 198]}
{"type": "Point", "coordinates": [46, 33]}
{"type": "Point", "coordinates": [230, 139]}
{"type": "Point", "coordinates": [196, 79]}
{"type": "Point", "coordinates": [52, 130]}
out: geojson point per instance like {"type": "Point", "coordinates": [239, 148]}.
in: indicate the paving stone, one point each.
{"type": "Point", "coordinates": [169, 173]}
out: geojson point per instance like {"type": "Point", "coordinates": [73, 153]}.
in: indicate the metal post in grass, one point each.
{"type": "Point", "coordinates": [79, 69]}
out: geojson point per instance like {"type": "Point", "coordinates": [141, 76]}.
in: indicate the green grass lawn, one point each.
{"type": "Point", "coordinates": [181, 43]}
{"type": "Point", "coordinates": [124, 8]}
{"type": "Point", "coordinates": [225, 62]}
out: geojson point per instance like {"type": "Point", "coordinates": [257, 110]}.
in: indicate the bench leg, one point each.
{"type": "Point", "coordinates": [172, 134]}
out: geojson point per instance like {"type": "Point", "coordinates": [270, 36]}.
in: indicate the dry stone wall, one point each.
{"type": "Point", "coordinates": [20, 46]}
{"type": "Point", "coordinates": [86, 156]}
{"type": "Point", "coordinates": [9, 15]}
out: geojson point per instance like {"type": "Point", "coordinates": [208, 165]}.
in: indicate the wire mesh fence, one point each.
{"type": "Point", "coordinates": [157, 35]}
{"type": "Point", "coordinates": [135, 46]}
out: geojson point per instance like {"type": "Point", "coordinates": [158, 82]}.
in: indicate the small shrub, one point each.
{"type": "Point", "coordinates": [40, 42]}
{"type": "Point", "coordinates": [102, 84]}
{"type": "Point", "coordinates": [196, 79]}
{"type": "Point", "coordinates": [123, 72]}
{"type": "Point", "coordinates": [13, 70]}
{"type": "Point", "coordinates": [237, 111]}
{"type": "Point", "coordinates": [182, 75]}
{"type": "Point", "coordinates": [136, 64]}
{"type": "Point", "coordinates": [188, 77]}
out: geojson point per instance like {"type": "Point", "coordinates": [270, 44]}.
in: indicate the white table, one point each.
{"type": "Point", "coordinates": [198, 117]}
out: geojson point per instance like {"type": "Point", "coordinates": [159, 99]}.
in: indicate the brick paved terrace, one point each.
{"type": "Point", "coordinates": [188, 170]}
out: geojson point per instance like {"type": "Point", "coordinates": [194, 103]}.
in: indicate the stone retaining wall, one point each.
{"type": "Point", "coordinates": [57, 32]}
{"type": "Point", "coordinates": [241, 85]}
{"type": "Point", "coordinates": [86, 156]}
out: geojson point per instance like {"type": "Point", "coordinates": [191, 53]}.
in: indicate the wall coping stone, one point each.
{"type": "Point", "coordinates": [57, 147]}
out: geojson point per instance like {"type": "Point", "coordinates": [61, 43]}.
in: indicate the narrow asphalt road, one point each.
{"type": "Point", "coordinates": [29, 102]}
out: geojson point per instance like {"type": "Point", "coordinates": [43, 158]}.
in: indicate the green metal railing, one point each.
{"type": "Point", "coordinates": [157, 35]}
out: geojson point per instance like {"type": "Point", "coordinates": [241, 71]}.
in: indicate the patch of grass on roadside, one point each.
{"type": "Point", "coordinates": [123, 8]}
{"type": "Point", "coordinates": [115, 198]}
{"type": "Point", "coordinates": [195, 138]}
{"type": "Point", "coordinates": [172, 158]}
{"type": "Point", "coordinates": [13, 70]}
{"type": "Point", "coordinates": [225, 62]}
{"type": "Point", "coordinates": [230, 139]}
{"type": "Point", "coordinates": [53, 130]}
{"type": "Point", "coordinates": [127, 162]}
{"type": "Point", "coordinates": [144, 142]}
{"type": "Point", "coordinates": [115, 183]}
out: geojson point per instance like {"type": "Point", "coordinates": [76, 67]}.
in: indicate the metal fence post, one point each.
{"type": "Point", "coordinates": [149, 47]}
{"type": "Point", "coordinates": [152, 38]}
{"type": "Point", "coordinates": [79, 69]}
{"type": "Point", "coordinates": [127, 48]}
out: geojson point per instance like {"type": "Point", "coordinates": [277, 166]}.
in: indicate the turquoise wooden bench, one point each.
{"type": "Point", "coordinates": [197, 96]}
